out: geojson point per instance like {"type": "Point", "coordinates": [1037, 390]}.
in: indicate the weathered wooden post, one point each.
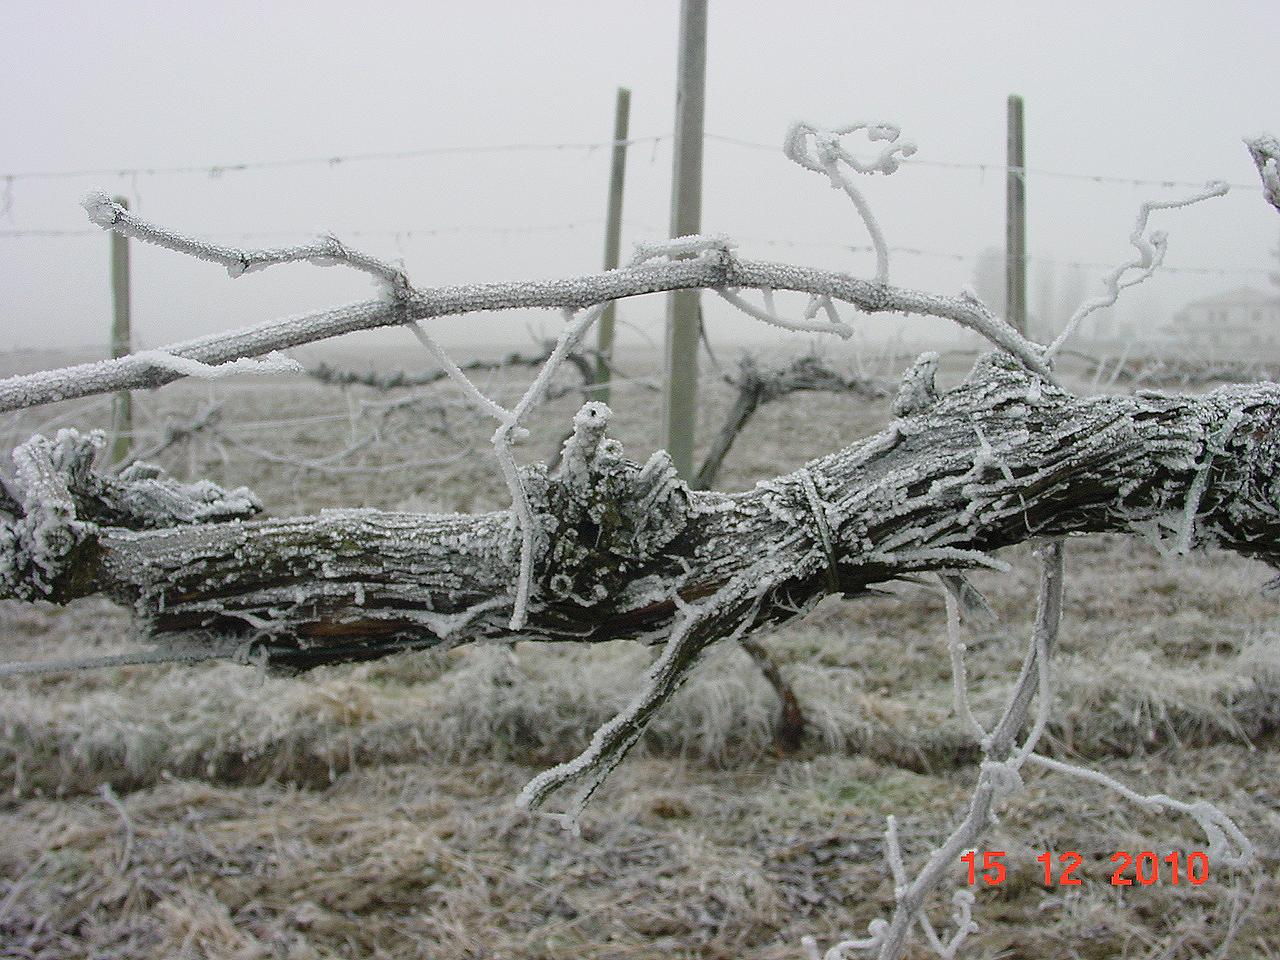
{"type": "Point", "coordinates": [1015, 236]}
{"type": "Point", "coordinates": [684, 317]}
{"type": "Point", "coordinates": [121, 340]}
{"type": "Point", "coordinates": [613, 235]}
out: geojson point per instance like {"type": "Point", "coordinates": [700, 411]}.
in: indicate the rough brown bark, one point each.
{"type": "Point", "coordinates": [788, 731]}
{"type": "Point", "coordinates": [623, 549]}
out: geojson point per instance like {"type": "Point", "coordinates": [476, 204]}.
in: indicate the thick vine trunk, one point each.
{"type": "Point", "coordinates": [622, 550]}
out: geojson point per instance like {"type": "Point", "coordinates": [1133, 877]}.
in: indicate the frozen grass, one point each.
{"type": "Point", "coordinates": [536, 704]}
{"type": "Point", "coordinates": [676, 860]}
{"type": "Point", "coordinates": [365, 810]}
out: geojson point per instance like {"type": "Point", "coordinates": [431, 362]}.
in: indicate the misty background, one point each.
{"type": "Point", "coordinates": [1157, 91]}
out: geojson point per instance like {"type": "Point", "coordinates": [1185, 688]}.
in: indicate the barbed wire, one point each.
{"type": "Point", "coordinates": [973, 257]}
{"type": "Point", "coordinates": [994, 168]}
{"type": "Point", "coordinates": [402, 232]}
{"type": "Point", "coordinates": [214, 170]}
{"type": "Point", "coordinates": [411, 233]}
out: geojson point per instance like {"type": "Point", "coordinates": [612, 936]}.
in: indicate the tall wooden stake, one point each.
{"type": "Point", "coordinates": [1015, 235]}
{"type": "Point", "coordinates": [684, 318]}
{"type": "Point", "coordinates": [613, 235]}
{"type": "Point", "coordinates": [121, 339]}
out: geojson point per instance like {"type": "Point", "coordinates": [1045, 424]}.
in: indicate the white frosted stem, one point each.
{"type": "Point", "coordinates": [1151, 249]}
{"type": "Point", "coordinates": [322, 251]}
{"type": "Point", "coordinates": [106, 376]}
{"type": "Point", "coordinates": [768, 316]}
{"type": "Point", "coordinates": [473, 393]}
{"type": "Point", "coordinates": [1227, 843]}
{"type": "Point", "coordinates": [820, 151]}
{"type": "Point", "coordinates": [959, 675]}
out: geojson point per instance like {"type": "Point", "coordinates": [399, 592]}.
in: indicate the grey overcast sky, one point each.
{"type": "Point", "coordinates": [1136, 89]}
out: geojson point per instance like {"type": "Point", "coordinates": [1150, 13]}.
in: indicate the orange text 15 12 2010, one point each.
{"type": "Point", "coordinates": [1143, 868]}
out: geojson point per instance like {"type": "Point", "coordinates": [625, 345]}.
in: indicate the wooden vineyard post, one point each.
{"type": "Point", "coordinates": [684, 318]}
{"type": "Point", "coordinates": [613, 236]}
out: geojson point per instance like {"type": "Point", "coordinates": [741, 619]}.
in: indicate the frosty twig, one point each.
{"type": "Point", "coordinates": [324, 251]}
{"type": "Point", "coordinates": [707, 272]}
{"type": "Point", "coordinates": [1151, 249]}
{"type": "Point", "coordinates": [820, 151]}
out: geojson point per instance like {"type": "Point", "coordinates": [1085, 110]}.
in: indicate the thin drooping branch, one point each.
{"type": "Point", "coordinates": [696, 627]}
{"type": "Point", "coordinates": [1151, 249]}
{"type": "Point", "coordinates": [788, 731]}
{"type": "Point", "coordinates": [757, 387]}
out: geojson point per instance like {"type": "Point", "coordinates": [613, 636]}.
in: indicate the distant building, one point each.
{"type": "Point", "coordinates": [1242, 317]}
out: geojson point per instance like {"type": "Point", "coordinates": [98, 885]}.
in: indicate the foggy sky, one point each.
{"type": "Point", "coordinates": [1141, 89]}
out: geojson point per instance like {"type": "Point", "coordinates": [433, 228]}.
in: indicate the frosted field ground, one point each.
{"type": "Point", "coordinates": [366, 810]}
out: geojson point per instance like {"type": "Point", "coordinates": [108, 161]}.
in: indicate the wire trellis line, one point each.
{"type": "Point", "coordinates": [401, 232]}
{"type": "Point", "coordinates": [970, 257]}
{"type": "Point", "coordinates": [215, 170]}
{"type": "Point", "coordinates": [994, 168]}
{"type": "Point", "coordinates": [410, 233]}
{"type": "Point", "coordinates": [333, 160]}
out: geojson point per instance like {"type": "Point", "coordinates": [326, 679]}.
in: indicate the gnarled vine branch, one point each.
{"type": "Point", "coordinates": [1001, 458]}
